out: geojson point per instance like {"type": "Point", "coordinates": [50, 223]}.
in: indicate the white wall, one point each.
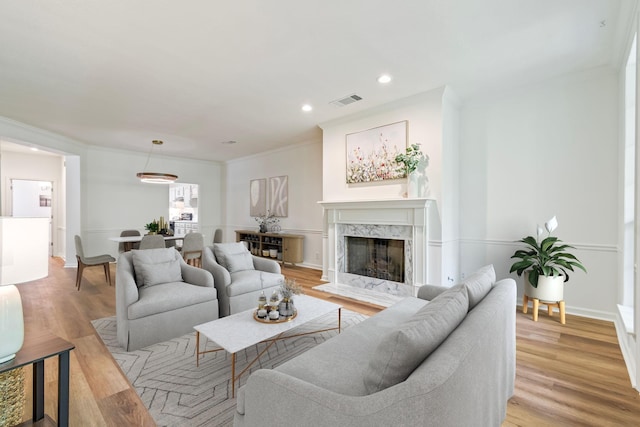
{"type": "Point", "coordinates": [543, 150]}
{"type": "Point", "coordinates": [302, 163]}
{"type": "Point", "coordinates": [424, 114]}
{"type": "Point", "coordinates": [114, 199]}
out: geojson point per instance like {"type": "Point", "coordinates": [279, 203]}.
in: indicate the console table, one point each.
{"type": "Point", "coordinates": [290, 245]}
{"type": "Point", "coordinates": [38, 346]}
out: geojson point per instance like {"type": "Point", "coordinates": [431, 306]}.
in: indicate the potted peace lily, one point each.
{"type": "Point", "coordinates": [545, 264]}
{"type": "Point", "coordinates": [408, 163]}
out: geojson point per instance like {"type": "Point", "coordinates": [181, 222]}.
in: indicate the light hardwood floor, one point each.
{"type": "Point", "coordinates": [571, 375]}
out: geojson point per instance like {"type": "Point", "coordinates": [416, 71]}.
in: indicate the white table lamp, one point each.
{"type": "Point", "coordinates": [11, 322]}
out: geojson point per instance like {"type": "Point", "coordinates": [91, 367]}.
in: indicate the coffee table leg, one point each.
{"type": "Point", "coordinates": [339, 319]}
{"type": "Point", "coordinates": [233, 375]}
{"type": "Point", "coordinates": [197, 348]}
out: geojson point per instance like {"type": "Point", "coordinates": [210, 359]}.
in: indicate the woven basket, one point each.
{"type": "Point", "coordinates": [11, 397]}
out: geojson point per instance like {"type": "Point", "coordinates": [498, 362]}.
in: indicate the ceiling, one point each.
{"type": "Point", "coordinates": [195, 74]}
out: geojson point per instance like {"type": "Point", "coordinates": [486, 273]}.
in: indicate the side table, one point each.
{"type": "Point", "coordinates": [38, 346]}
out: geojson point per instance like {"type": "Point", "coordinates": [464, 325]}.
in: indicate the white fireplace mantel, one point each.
{"type": "Point", "coordinates": [407, 214]}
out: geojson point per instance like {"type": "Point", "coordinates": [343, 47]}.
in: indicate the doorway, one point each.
{"type": "Point", "coordinates": [33, 199]}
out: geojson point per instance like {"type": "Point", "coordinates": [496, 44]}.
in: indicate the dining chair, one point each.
{"type": "Point", "coordinates": [127, 233]}
{"type": "Point", "coordinates": [152, 241]}
{"type": "Point", "coordinates": [217, 236]}
{"type": "Point", "coordinates": [192, 247]}
{"type": "Point", "coordinates": [90, 261]}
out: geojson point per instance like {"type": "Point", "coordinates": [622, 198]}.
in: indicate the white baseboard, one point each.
{"type": "Point", "coordinates": [627, 351]}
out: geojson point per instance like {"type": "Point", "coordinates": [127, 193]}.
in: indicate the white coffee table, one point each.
{"type": "Point", "coordinates": [239, 331]}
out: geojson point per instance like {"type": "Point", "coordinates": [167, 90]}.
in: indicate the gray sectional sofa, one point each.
{"type": "Point", "coordinates": [447, 362]}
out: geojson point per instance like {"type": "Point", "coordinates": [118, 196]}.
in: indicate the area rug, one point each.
{"type": "Point", "coordinates": [177, 393]}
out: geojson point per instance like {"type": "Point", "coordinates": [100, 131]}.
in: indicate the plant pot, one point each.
{"type": "Point", "coordinates": [550, 288]}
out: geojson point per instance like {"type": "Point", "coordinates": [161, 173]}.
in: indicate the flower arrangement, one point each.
{"type": "Point", "coordinates": [267, 221]}
{"type": "Point", "coordinates": [290, 288]}
{"type": "Point", "coordinates": [548, 257]}
{"type": "Point", "coordinates": [409, 160]}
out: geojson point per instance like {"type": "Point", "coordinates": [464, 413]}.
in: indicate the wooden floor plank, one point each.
{"type": "Point", "coordinates": [571, 374]}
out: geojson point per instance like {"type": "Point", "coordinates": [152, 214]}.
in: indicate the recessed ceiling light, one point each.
{"type": "Point", "coordinates": [34, 149]}
{"type": "Point", "coordinates": [306, 108]}
{"type": "Point", "coordinates": [385, 78]}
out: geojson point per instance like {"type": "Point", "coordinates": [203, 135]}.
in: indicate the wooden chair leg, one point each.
{"type": "Point", "coordinates": [525, 304]}
{"type": "Point", "coordinates": [79, 275]}
{"type": "Point", "coordinates": [536, 305]}
{"type": "Point", "coordinates": [107, 272]}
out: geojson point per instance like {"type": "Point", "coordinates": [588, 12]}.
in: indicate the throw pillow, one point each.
{"type": "Point", "coordinates": [156, 266]}
{"type": "Point", "coordinates": [401, 351]}
{"type": "Point", "coordinates": [233, 256]}
{"type": "Point", "coordinates": [479, 284]}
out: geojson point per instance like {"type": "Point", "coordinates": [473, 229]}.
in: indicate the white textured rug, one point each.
{"type": "Point", "coordinates": [177, 393]}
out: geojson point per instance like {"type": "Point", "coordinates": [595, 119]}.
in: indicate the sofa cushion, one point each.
{"type": "Point", "coordinates": [156, 266]}
{"type": "Point", "coordinates": [479, 284]}
{"type": "Point", "coordinates": [233, 256]}
{"type": "Point", "coordinates": [247, 281]}
{"type": "Point", "coordinates": [169, 296]}
{"type": "Point", "coordinates": [403, 349]}
{"type": "Point", "coordinates": [339, 364]}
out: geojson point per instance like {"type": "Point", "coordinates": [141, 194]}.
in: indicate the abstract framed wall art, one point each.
{"type": "Point", "coordinates": [278, 190]}
{"type": "Point", "coordinates": [371, 153]}
{"type": "Point", "coordinates": [258, 197]}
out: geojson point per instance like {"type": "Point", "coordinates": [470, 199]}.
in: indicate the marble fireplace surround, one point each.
{"type": "Point", "coordinates": [402, 219]}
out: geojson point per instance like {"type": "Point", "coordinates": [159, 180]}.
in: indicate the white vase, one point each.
{"type": "Point", "coordinates": [11, 322]}
{"type": "Point", "coordinates": [413, 185]}
{"type": "Point", "coordinates": [550, 288]}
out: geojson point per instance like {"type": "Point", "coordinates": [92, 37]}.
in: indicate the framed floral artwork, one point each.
{"type": "Point", "coordinates": [371, 153]}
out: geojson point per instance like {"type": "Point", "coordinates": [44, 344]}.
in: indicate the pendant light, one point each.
{"type": "Point", "coordinates": [155, 177]}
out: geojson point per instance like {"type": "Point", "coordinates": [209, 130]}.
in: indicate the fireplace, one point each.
{"type": "Point", "coordinates": [379, 245]}
{"type": "Point", "coordinates": [374, 257]}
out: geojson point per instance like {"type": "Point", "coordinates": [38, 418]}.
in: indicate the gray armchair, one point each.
{"type": "Point", "coordinates": [240, 277]}
{"type": "Point", "coordinates": [160, 297]}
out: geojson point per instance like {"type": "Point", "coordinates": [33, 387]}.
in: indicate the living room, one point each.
{"type": "Point", "coordinates": [503, 160]}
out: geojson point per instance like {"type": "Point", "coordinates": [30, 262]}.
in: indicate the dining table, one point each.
{"type": "Point", "coordinates": [128, 241]}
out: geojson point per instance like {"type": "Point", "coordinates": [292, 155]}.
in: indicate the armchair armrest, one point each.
{"type": "Point", "coordinates": [267, 265]}
{"type": "Point", "coordinates": [126, 288]}
{"type": "Point", "coordinates": [221, 276]}
{"type": "Point", "coordinates": [429, 292]}
{"type": "Point", "coordinates": [195, 276]}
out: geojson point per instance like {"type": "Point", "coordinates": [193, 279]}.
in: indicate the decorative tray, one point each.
{"type": "Point", "coordinates": [281, 319]}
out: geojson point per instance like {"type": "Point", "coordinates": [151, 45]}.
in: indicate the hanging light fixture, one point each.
{"type": "Point", "coordinates": [155, 177]}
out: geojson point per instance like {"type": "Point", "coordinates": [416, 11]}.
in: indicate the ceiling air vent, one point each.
{"type": "Point", "coordinates": [346, 100]}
